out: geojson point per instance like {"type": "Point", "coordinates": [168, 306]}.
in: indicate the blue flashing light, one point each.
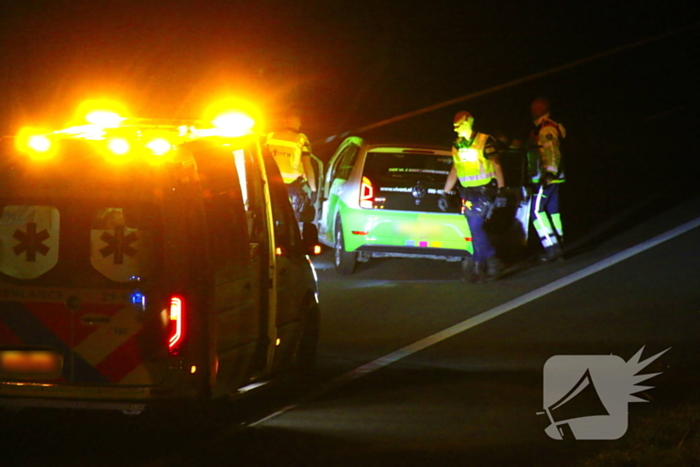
{"type": "Point", "coordinates": [138, 299]}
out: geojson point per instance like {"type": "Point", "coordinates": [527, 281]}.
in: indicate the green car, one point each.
{"type": "Point", "coordinates": [381, 200]}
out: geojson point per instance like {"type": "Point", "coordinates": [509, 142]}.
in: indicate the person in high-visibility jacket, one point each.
{"type": "Point", "coordinates": [291, 150]}
{"type": "Point", "coordinates": [546, 169]}
{"type": "Point", "coordinates": [477, 169]}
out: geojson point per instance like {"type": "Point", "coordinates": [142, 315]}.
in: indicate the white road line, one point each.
{"type": "Point", "coordinates": [486, 316]}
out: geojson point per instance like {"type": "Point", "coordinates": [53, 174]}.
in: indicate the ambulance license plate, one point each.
{"type": "Point", "coordinates": [34, 364]}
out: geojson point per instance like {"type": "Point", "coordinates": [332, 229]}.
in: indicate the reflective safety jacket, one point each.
{"type": "Point", "coordinates": [288, 147]}
{"type": "Point", "coordinates": [544, 153]}
{"type": "Point", "coordinates": [472, 159]}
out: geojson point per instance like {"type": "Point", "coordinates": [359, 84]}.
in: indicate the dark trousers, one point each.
{"type": "Point", "coordinates": [478, 202]}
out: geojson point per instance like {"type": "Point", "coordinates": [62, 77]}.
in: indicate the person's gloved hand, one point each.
{"type": "Point", "coordinates": [443, 202]}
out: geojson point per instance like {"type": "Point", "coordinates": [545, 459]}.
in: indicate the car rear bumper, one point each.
{"type": "Point", "coordinates": [414, 233]}
{"type": "Point", "coordinates": [378, 251]}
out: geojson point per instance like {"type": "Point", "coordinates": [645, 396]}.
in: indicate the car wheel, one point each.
{"type": "Point", "coordinates": [345, 261]}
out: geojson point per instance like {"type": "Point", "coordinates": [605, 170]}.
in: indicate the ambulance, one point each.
{"type": "Point", "coordinates": [146, 264]}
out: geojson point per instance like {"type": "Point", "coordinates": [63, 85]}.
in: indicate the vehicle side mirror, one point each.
{"type": "Point", "coordinates": [309, 238]}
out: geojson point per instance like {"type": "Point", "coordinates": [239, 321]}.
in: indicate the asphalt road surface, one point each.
{"type": "Point", "coordinates": [418, 368]}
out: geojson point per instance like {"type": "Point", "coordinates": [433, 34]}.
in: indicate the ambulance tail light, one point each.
{"type": "Point", "coordinates": [366, 194]}
{"type": "Point", "coordinates": [176, 324]}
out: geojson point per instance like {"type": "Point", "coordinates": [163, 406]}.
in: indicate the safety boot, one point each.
{"type": "Point", "coordinates": [551, 253]}
{"type": "Point", "coordinates": [472, 271]}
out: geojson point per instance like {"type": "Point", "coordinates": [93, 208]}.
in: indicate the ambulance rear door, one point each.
{"type": "Point", "coordinates": [79, 270]}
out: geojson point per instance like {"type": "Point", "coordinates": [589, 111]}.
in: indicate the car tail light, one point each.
{"type": "Point", "coordinates": [366, 194]}
{"type": "Point", "coordinates": [176, 325]}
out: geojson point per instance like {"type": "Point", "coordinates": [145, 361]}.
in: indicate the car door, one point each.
{"type": "Point", "coordinates": [319, 178]}
{"type": "Point", "coordinates": [291, 265]}
{"type": "Point", "coordinates": [250, 175]}
{"type": "Point", "coordinates": [338, 173]}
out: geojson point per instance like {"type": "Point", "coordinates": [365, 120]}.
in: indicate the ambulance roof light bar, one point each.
{"type": "Point", "coordinates": [227, 126]}
{"type": "Point", "coordinates": [159, 136]}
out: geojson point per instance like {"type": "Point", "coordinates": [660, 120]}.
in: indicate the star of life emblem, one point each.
{"type": "Point", "coordinates": [120, 253]}
{"type": "Point", "coordinates": [28, 240]}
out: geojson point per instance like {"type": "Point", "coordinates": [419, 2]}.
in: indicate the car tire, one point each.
{"type": "Point", "coordinates": [345, 261]}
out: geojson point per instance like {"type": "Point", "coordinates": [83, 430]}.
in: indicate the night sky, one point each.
{"type": "Point", "coordinates": [346, 63]}
{"type": "Point", "coordinates": [350, 64]}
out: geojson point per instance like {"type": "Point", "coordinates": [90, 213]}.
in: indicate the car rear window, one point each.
{"type": "Point", "coordinates": [406, 181]}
